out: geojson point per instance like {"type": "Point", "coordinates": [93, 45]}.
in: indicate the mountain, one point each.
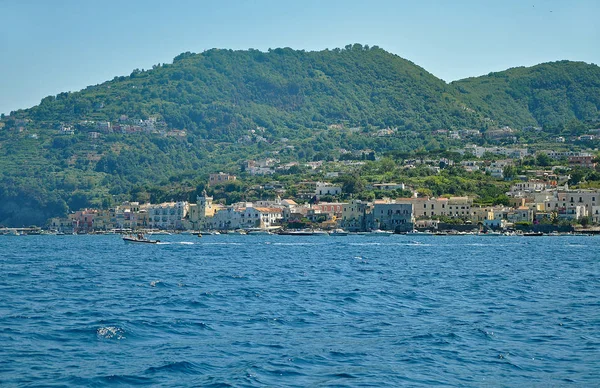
{"type": "Point", "coordinates": [219, 94]}
{"type": "Point", "coordinates": [156, 134]}
{"type": "Point", "coordinates": [549, 95]}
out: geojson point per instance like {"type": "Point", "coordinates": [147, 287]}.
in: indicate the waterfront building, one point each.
{"type": "Point", "coordinates": [392, 216]}
{"type": "Point", "coordinates": [168, 215]}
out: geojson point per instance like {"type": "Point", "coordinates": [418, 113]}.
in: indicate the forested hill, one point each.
{"type": "Point", "coordinates": [155, 134]}
{"type": "Point", "coordinates": [219, 94]}
{"type": "Point", "coordinates": [549, 95]}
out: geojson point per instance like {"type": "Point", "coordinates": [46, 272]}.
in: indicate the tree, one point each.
{"type": "Point", "coordinates": [542, 159]}
{"type": "Point", "coordinates": [352, 184]}
{"type": "Point", "coordinates": [509, 171]}
{"type": "Point", "coordinates": [577, 175]}
{"type": "Point", "coordinates": [585, 222]}
{"type": "Point", "coordinates": [502, 199]}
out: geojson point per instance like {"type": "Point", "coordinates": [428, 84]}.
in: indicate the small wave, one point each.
{"type": "Point", "coordinates": [488, 334]}
{"type": "Point", "coordinates": [423, 336]}
{"type": "Point", "coordinates": [343, 375]}
{"type": "Point", "coordinates": [110, 332]}
{"type": "Point", "coordinates": [184, 367]}
{"type": "Point", "coordinates": [507, 359]}
{"type": "Point", "coordinates": [365, 244]}
{"type": "Point", "coordinates": [339, 353]}
{"type": "Point", "coordinates": [297, 244]}
{"type": "Point", "coordinates": [126, 380]}
{"type": "Point", "coordinates": [220, 243]}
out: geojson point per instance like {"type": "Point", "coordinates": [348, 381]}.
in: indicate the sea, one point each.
{"type": "Point", "coordinates": [300, 311]}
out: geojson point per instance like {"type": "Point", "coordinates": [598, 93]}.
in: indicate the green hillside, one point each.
{"type": "Point", "coordinates": [549, 95]}
{"type": "Point", "coordinates": [221, 93]}
{"type": "Point", "coordinates": [175, 123]}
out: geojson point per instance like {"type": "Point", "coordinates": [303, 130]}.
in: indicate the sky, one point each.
{"type": "Point", "coordinates": [48, 47]}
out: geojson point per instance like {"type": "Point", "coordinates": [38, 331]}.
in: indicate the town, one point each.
{"type": "Point", "coordinates": [294, 194]}
{"type": "Point", "coordinates": [542, 203]}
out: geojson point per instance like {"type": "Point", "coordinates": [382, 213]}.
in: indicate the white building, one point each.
{"type": "Point", "coordinates": [267, 216]}
{"type": "Point", "coordinates": [531, 186]}
{"type": "Point", "coordinates": [513, 153]}
{"type": "Point", "coordinates": [427, 207]}
{"type": "Point", "coordinates": [227, 218]}
{"type": "Point", "coordinates": [564, 154]}
{"type": "Point", "coordinates": [388, 186]}
{"type": "Point", "coordinates": [460, 207]}
{"type": "Point", "coordinates": [323, 188]}
{"type": "Point", "coordinates": [595, 214]}
{"type": "Point", "coordinates": [495, 172]}
{"type": "Point", "coordinates": [574, 204]}
{"type": "Point", "coordinates": [168, 215]}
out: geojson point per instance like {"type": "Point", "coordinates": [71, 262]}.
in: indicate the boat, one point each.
{"type": "Point", "coordinates": [301, 232]}
{"type": "Point", "coordinates": [338, 232]}
{"type": "Point", "coordinates": [491, 233]}
{"type": "Point", "coordinates": [163, 232]}
{"type": "Point", "coordinates": [379, 232]}
{"type": "Point", "coordinates": [139, 238]}
{"type": "Point", "coordinates": [258, 232]}
{"type": "Point", "coordinates": [530, 234]}
{"type": "Point", "coordinates": [294, 233]}
{"type": "Point", "coordinates": [208, 233]}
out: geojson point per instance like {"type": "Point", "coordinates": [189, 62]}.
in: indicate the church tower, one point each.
{"type": "Point", "coordinates": [205, 205]}
{"type": "Point", "coordinates": [202, 210]}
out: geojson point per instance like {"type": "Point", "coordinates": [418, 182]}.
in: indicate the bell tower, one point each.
{"type": "Point", "coordinates": [205, 206]}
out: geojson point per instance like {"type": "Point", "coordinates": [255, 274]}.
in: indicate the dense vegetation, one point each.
{"type": "Point", "coordinates": [555, 96]}
{"type": "Point", "coordinates": [288, 104]}
{"type": "Point", "coordinates": [219, 94]}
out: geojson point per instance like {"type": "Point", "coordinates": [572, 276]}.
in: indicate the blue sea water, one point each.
{"type": "Point", "coordinates": [300, 311]}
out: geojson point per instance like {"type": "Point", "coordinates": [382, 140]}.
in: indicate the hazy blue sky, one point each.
{"type": "Point", "coordinates": [48, 47]}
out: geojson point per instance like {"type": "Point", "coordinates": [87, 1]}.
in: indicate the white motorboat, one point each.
{"type": "Point", "coordinates": [258, 232]}
{"type": "Point", "coordinates": [338, 232]}
{"type": "Point", "coordinates": [379, 232]}
{"type": "Point", "coordinates": [139, 238]}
